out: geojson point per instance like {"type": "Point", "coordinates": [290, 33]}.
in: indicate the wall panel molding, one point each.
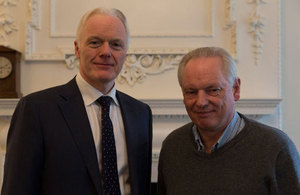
{"type": "Point", "coordinates": [250, 39]}
{"type": "Point", "coordinates": [37, 11]}
{"type": "Point", "coordinates": [154, 8]}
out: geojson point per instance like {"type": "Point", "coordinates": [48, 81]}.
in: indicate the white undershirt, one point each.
{"type": "Point", "coordinates": [90, 95]}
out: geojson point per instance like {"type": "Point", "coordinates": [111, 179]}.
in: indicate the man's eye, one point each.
{"type": "Point", "coordinates": [214, 91]}
{"type": "Point", "coordinates": [116, 45]}
{"type": "Point", "coordinates": [94, 44]}
{"type": "Point", "coordinates": [190, 92]}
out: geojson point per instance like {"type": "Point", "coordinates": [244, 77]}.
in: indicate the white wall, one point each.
{"type": "Point", "coordinates": [291, 69]}
{"type": "Point", "coordinates": [259, 81]}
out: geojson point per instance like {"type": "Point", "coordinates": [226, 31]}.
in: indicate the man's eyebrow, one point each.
{"type": "Point", "coordinates": [116, 39]}
{"type": "Point", "coordinates": [93, 38]}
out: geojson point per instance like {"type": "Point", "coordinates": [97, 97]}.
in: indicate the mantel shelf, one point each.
{"type": "Point", "coordinates": [7, 106]}
{"type": "Point", "coordinates": [245, 106]}
{"type": "Point", "coordinates": [176, 107]}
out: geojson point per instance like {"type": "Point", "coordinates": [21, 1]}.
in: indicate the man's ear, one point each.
{"type": "Point", "coordinates": [76, 48]}
{"type": "Point", "coordinates": [236, 89]}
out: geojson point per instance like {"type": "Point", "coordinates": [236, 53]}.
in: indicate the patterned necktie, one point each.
{"type": "Point", "coordinates": [109, 157]}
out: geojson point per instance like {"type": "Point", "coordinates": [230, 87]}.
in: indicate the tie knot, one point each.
{"type": "Point", "coordinates": [104, 101]}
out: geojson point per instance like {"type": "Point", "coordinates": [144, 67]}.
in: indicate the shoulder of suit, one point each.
{"type": "Point", "coordinates": [51, 92]}
{"type": "Point", "coordinates": [123, 97]}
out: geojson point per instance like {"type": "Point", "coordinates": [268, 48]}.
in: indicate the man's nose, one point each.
{"type": "Point", "coordinates": [201, 98]}
{"type": "Point", "coordinates": [105, 50]}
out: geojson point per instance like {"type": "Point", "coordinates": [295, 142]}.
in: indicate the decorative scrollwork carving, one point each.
{"type": "Point", "coordinates": [138, 66]}
{"type": "Point", "coordinates": [71, 61]}
{"type": "Point", "coordinates": [8, 2]}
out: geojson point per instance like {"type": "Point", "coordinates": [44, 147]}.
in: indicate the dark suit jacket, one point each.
{"type": "Point", "coordinates": [51, 150]}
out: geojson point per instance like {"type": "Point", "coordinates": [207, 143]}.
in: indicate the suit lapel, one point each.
{"type": "Point", "coordinates": [129, 120]}
{"type": "Point", "coordinates": [72, 107]}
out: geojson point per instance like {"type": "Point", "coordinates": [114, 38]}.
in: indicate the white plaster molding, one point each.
{"type": "Point", "coordinates": [169, 107]}
{"type": "Point", "coordinates": [7, 106]}
{"type": "Point", "coordinates": [33, 25]}
{"type": "Point", "coordinates": [231, 25]}
{"type": "Point", "coordinates": [257, 106]}
{"type": "Point", "coordinates": [159, 50]}
{"type": "Point", "coordinates": [233, 40]}
{"type": "Point", "coordinates": [58, 55]}
{"type": "Point", "coordinates": [72, 62]}
{"type": "Point", "coordinates": [155, 155]}
{"type": "Point", "coordinates": [4, 126]}
{"type": "Point", "coordinates": [140, 62]}
{"type": "Point", "coordinates": [229, 12]}
{"type": "Point", "coordinates": [138, 66]}
{"type": "Point", "coordinates": [8, 2]}
{"type": "Point", "coordinates": [34, 13]}
{"type": "Point", "coordinates": [257, 24]}
{"type": "Point", "coordinates": [171, 34]}
{"type": "Point", "coordinates": [7, 23]}
{"type": "Point", "coordinates": [29, 34]}
{"type": "Point", "coordinates": [245, 106]}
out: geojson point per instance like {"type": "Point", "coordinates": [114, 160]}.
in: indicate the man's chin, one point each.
{"type": "Point", "coordinates": [207, 124]}
{"type": "Point", "coordinates": [105, 78]}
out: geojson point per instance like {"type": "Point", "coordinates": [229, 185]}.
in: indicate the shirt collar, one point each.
{"type": "Point", "coordinates": [233, 128]}
{"type": "Point", "coordinates": [228, 134]}
{"type": "Point", "coordinates": [90, 94]}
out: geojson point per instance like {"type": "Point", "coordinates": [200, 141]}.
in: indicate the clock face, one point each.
{"type": "Point", "coordinates": [5, 67]}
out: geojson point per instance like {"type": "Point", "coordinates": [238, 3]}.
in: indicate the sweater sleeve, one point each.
{"type": "Point", "coordinates": [288, 170]}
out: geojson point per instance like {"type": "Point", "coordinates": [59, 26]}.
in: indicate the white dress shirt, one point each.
{"type": "Point", "coordinates": [90, 95]}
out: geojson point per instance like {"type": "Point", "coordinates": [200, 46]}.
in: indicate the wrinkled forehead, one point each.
{"type": "Point", "coordinates": [204, 68]}
{"type": "Point", "coordinates": [104, 25]}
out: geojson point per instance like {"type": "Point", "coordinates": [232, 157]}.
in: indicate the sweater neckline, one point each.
{"type": "Point", "coordinates": [227, 145]}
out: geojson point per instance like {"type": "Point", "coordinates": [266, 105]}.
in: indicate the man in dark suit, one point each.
{"type": "Point", "coordinates": [54, 141]}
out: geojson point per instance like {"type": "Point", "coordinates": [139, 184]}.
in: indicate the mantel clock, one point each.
{"type": "Point", "coordinates": [9, 73]}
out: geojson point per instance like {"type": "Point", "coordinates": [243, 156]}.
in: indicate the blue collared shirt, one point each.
{"type": "Point", "coordinates": [233, 128]}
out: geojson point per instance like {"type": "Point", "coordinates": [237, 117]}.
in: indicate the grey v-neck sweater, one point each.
{"type": "Point", "coordinates": [259, 160]}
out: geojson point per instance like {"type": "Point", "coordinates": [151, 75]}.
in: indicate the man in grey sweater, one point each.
{"type": "Point", "coordinates": [221, 151]}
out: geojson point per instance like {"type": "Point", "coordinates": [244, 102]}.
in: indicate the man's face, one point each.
{"type": "Point", "coordinates": [101, 50]}
{"type": "Point", "coordinates": [208, 96]}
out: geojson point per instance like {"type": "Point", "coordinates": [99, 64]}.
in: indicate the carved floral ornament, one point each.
{"type": "Point", "coordinates": [257, 28]}
{"type": "Point", "coordinates": [7, 25]}
{"type": "Point", "coordinates": [137, 66]}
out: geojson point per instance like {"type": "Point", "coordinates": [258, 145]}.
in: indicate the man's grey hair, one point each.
{"type": "Point", "coordinates": [229, 64]}
{"type": "Point", "coordinates": [102, 11]}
